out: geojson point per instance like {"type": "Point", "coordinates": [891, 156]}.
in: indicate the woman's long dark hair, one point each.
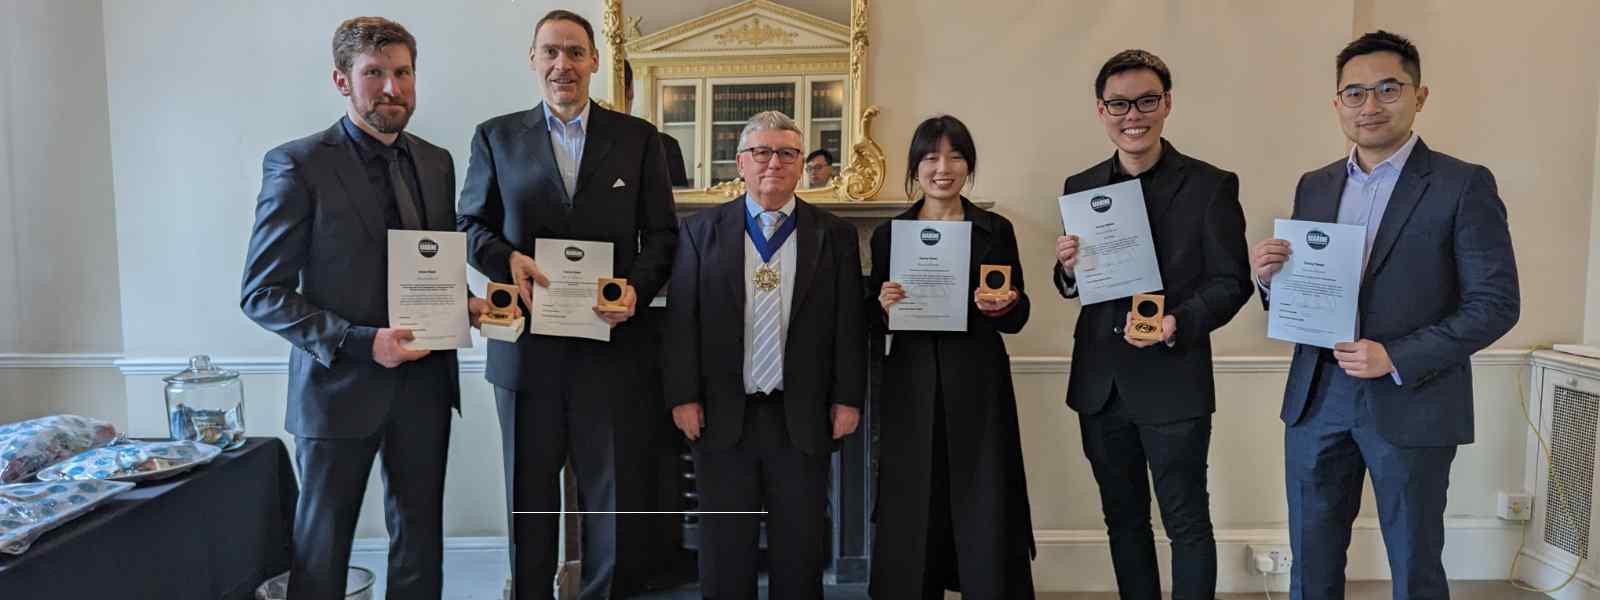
{"type": "Point", "coordinates": [926, 140]}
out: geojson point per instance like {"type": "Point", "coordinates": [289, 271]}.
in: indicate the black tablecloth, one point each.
{"type": "Point", "coordinates": [215, 532]}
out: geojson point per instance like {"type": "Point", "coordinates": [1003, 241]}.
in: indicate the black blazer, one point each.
{"type": "Point", "coordinates": [1198, 229]}
{"type": "Point", "coordinates": [1440, 284]}
{"type": "Point", "coordinates": [513, 195]}
{"type": "Point", "coordinates": [824, 353]}
{"type": "Point", "coordinates": [317, 270]}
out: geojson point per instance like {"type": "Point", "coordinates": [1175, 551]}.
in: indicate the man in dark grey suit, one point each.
{"type": "Point", "coordinates": [765, 366]}
{"type": "Point", "coordinates": [571, 169]}
{"type": "Point", "coordinates": [316, 274]}
{"type": "Point", "coordinates": [1439, 283]}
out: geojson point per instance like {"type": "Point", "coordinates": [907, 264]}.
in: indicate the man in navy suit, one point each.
{"type": "Point", "coordinates": [316, 275]}
{"type": "Point", "coordinates": [1439, 283]}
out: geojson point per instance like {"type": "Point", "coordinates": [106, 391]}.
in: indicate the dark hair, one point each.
{"type": "Point", "coordinates": [368, 34]}
{"type": "Point", "coordinates": [565, 15]}
{"type": "Point", "coordinates": [627, 73]}
{"type": "Point", "coordinates": [1382, 41]}
{"type": "Point", "coordinates": [823, 152]}
{"type": "Point", "coordinates": [926, 140]}
{"type": "Point", "coordinates": [1129, 60]}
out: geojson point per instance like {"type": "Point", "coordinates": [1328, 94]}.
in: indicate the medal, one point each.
{"type": "Point", "coordinates": [767, 278]}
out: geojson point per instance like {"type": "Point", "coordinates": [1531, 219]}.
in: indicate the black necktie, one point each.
{"type": "Point", "coordinates": [410, 218]}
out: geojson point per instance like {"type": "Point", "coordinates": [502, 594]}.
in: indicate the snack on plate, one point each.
{"type": "Point", "coordinates": [27, 510]}
{"type": "Point", "coordinates": [132, 461]}
{"type": "Point", "coordinates": [29, 446]}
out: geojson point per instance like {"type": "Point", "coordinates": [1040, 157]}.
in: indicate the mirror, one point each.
{"type": "Point", "coordinates": [702, 67]}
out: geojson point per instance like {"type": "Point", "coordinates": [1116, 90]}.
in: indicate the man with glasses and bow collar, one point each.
{"type": "Point", "coordinates": [765, 366]}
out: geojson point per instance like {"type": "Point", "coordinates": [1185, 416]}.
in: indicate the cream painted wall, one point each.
{"type": "Point", "coordinates": [1021, 75]}
{"type": "Point", "coordinates": [1515, 88]}
{"type": "Point", "coordinates": [197, 92]}
{"type": "Point", "coordinates": [1592, 305]}
{"type": "Point", "coordinates": [58, 263]}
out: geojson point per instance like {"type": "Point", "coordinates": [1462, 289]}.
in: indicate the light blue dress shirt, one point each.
{"type": "Point", "coordinates": [567, 139]}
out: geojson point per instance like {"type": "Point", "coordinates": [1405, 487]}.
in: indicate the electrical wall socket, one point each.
{"type": "Point", "coordinates": [1514, 506]}
{"type": "Point", "coordinates": [1270, 559]}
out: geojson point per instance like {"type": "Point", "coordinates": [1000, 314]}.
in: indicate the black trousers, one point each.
{"type": "Point", "coordinates": [333, 478]}
{"type": "Point", "coordinates": [1121, 451]}
{"type": "Point", "coordinates": [764, 471]}
{"type": "Point", "coordinates": [540, 431]}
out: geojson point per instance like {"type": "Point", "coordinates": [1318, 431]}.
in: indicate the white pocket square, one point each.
{"type": "Point", "coordinates": [618, 184]}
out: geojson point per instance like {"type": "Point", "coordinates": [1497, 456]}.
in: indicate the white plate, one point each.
{"type": "Point", "coordinates": [103, 463]}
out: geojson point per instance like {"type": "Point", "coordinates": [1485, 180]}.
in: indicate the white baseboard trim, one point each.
{"type": "Point", "coordinates": [474, 363]}
{"type": "Point", "coordinates": [1080, 559]}
{"type": "Point", "coordinates": [1540, 571]}
{"type": "Point", "coordinates": [58, 361]}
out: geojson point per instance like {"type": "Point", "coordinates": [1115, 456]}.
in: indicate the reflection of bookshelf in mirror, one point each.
{"type": "Point", "coordinates": [707, 115]}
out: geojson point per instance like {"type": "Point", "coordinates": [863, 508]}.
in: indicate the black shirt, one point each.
{"type": "Point", "coordinates": [374, 157]}
{"type": "Point", "coordinates": [1118, 175]}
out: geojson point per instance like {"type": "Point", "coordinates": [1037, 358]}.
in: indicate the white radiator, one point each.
{"type": "Point", "coordinates": [1564, 401]}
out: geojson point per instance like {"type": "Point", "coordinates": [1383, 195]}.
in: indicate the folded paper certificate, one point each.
{"type": "Point", "coordinates": [1314, 298]}
{"type": "Point", "coordinates": [566, 308]}
{"type": "Point", "coordinates": [930, 259]}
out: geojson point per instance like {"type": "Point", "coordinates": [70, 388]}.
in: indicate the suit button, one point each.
{"type": "Point", "coordinates": [1116, 330]}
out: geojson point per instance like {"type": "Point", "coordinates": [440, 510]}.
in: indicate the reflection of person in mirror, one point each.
{"type": "Point", "coordinates": [315, 274]}
{"type": "Point", "coordinates": [572, 169]}
{"type": "Point", "coordinates": [1134, 423]}
{"type": "Point", "coordinates": [819, 168]}
{"type": "Point", "coordinates": [952, 494]}
{"type": "Point", "coordinates": [675, 167]}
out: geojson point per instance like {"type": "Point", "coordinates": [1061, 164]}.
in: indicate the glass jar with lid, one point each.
{"type": "Point", "coordinates": [205, 404]}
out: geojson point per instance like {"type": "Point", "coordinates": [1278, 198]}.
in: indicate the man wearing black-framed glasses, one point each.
{"type": "Point", "coordinates": [1439, 283]}
{"type": "Point", "coordinates": [765, 367]}
{"type": "Point", "coordinates": [1136, 426]}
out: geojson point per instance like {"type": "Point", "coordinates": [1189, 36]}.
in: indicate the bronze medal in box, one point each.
{"type": "Point", "coordinates": [609, 293]}
{"type": "Point", "coordinates": [502, 322]}
{"type": "Point", "coordinates": [994, 282]}
{"type": "Point", "coordinates": [1148, 312]}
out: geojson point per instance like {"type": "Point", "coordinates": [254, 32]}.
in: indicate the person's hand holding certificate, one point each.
{"type": "Point", "coordinates": [1116, 256]}
{"type": "Point", "coordinates": [1314, 295]}
{"type": "Point", "coordinates": [929, 260]}
{"type": "Point", "coordinates": [428, 288]}
{"type": "Point", "coordinates": [565, 307]}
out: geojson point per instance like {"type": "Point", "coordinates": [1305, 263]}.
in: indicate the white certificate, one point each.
{"type": "Point", "coordinates": [1314, 298]}
{"type": "Point", "coordinates": [1116, 255]}
{"type": "Point", "coordinates": [566, 308]}
{"type": "Point", "coordinates": [930, 259]}
{"type": "Point", "coordinates": [428, 288]}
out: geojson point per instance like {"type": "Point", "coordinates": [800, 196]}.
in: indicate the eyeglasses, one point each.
{"type": "Point", "coordinates": [763, 154]}
{"type": "Point", "coordinates": [1146, 104]}
{"type": "Point", "coordinates": [812, 168]}
{"type": "Point", "coordinates": [1388, 91]}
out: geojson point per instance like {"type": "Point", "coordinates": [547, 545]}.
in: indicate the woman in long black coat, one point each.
{"type": "Point", "coordinates": [952, 503]}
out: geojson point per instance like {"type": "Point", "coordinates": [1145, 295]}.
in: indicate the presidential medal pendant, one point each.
{"type": "Point", "coordinates": [767, 278]}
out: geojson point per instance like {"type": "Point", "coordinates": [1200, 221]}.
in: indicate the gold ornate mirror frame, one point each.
{"type": "Point", "coordinates": [863, 175]}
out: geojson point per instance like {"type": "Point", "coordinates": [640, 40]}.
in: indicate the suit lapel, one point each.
{"type": "Point", "coordinates": [809, 236]}
{"type": "Point", "coordinates": [981, 238]}
{"type": "Point", "coordinates": [730, 252]}
{"type": "Point", "coordinates": [596, 144]}
{"type": "Point", "coordinates": [1164, 185]}
{"type": "Point", "coordinates": [1323, 204]}
{"type": "Point", "coordinates": [358, 191]}
{"type": "Point", "coordinates": [1402, 202]}
{"type": "Point", "coordinates": [436, 201]}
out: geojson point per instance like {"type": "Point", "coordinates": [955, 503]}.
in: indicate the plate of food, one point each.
{"type": "Point", "coordinates": [132, 461]}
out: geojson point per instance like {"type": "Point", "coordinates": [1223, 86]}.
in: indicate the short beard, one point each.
{"type": "Point", "coordinates": [383, 124]}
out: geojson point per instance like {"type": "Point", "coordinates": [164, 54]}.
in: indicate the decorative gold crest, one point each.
{"type": "Point", "coordinates": [756, 34]}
